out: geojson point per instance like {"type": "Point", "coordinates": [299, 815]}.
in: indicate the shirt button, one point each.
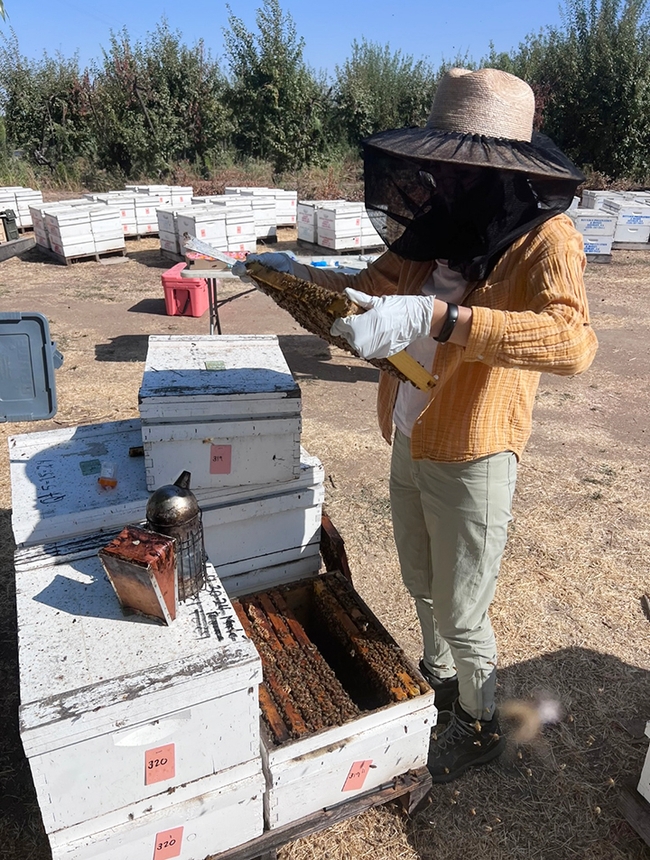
{"type": "Point", "coordinates": [435, 376]}
{"type": "Point", "coordinates": [419, 422]}
{"type": "Point", "coordinates": [480, 357]}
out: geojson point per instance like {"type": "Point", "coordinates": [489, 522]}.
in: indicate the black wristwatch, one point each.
{"type": "Point", "coordinates": [448, 324]}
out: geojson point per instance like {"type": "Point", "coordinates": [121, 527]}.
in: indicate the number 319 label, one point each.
{"type": "Point", "coordinates": [159, 764]}
{"type": "Point", "coordinates": [168, 844]}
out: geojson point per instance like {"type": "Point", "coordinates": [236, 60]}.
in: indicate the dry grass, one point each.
{"type": "Point", "coordinates": [568, 613]}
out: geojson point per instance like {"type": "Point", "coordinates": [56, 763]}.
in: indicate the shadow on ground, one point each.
{"type": "Point", "coordinates": [151, 258]}
{"type": "Point", "coordinates": [310, 357]}
{"type": "Point", "coordinates": [124, 347]}
{"type": "Point", "coordinates": [149, 306]}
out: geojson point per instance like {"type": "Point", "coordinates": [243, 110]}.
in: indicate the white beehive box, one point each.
{"type": "Point", "coordinates": [347, 659]}
{"type": "Point", "coordinates": [630, 213]}
{"type": "Point", "coordinates": [181, 195]}
{"type": "Point", "coordinates": [106, 228]}
{"type": "Point", "coordinates": [637, 233]}
{"type": "Point", "coordinates": [106, 697]}
{"type": "Point", "coordinates": [26, 197]}
{"type": "Point", "coordinates": [594, 222]}
{"type": "Point", "coordinates": [145, 206]}
{"type": "Point", "coordinates": [644, 781]}
{"type": "Point", "coordinates": [601, 245]}
{"type": "Point", "coordinates": [224, 812]}
{"type": "Point", "coordinates": [227, 409]}
{"type": "Point", "coordinates": [307, 776]}
{"type": "Point", "coordinates": [207, 223]}
{"type": "Point", "coordinates": [255, 535]}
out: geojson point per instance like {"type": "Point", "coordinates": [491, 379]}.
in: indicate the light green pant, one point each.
{"type": "Point", "coordinates": [451, 522]}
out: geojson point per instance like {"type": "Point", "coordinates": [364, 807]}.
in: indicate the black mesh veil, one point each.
{"type": "Point", "coordinates": [462, 198]}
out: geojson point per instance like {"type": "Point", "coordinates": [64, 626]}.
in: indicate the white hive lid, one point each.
{"type": "Point", "coordinates": [84, 665]}
{"type": "Point", "coordinates": [182, 366]}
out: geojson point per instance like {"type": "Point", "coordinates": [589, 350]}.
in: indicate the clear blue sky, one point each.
{"type": "Point", "coordinates": [423, 28]}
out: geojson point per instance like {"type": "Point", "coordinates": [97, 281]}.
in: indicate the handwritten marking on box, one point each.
{"type": "Point", "coordinates": [159, 764]}
{"type": "Point", "coordinates": [357, 775]}
{"type": "Point", "coordinates": [168, 843]}
{"type": "Point", "coordinates": [220, 459]}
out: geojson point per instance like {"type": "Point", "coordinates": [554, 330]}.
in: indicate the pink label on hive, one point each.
{"type": "Point", "coordinates": [357, 775]}
{"type": "Point", "coordinates": [220, 459]}
{"type": "Point", "coordinates": [159, 764]}
{"type": "Point", "coordinates": [168, 844]}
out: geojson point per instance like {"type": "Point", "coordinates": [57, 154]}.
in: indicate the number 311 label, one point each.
{"type": "Point", "coordinates": [168, 844]}
{"type": "Point", "coordinates": [159, 764]}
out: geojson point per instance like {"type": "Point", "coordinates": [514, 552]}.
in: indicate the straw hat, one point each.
{"type": "Point", "coordinates": [482, 118]}
{"type": "Point", "coordinates": [488, 102]}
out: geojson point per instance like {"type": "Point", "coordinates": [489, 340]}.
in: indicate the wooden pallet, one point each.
{"type": "Point", "coordinates": [96, 256]}
{"type": "Point", "coordinates": [599, 258]}
{"type": "Point", "coordinates": [136, 236]}
{"type": "Point", "coordinates": [410, 790]}
{"type": "Point", "coordinates": [630, 246]}
{"type": "Point", "coordinates": [636, 811]}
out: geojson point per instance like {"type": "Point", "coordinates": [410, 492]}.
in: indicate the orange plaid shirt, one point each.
{"type": "Point", "coordinates": [529, 316]}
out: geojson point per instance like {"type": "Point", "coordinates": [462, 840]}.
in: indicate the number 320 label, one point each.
{"type": "Point", "coordinates": [168, 844]}
{"type": "Point", "coordinates": [159, 764]}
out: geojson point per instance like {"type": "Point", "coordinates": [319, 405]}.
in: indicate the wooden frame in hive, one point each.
{"type": "Point", "coordinates": [316, 308]}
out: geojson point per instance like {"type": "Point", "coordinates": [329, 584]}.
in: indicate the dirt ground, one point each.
{"type": "Point", "coordinates": [570, 616]}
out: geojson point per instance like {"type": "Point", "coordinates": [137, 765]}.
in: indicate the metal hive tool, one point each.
{"type": "Point", "coordinates": [316, 308]}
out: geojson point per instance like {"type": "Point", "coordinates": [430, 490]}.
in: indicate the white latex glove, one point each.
{"type": "Point", "coordinates": [274, 260]}
{"type": "Point", "coordinates": [389, 325]}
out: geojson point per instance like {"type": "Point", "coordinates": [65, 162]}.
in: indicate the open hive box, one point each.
{"type": "Point", "coordinates": [343, 709]}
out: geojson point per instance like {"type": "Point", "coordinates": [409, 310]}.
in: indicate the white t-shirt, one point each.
{"type": "Point", "coordinates": [448, 286]}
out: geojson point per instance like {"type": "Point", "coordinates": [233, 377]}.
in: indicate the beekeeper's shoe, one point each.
{"type": "Point", "coordinates": [463, 742]}
{"type": "Point", "coordinates": [446, 689]}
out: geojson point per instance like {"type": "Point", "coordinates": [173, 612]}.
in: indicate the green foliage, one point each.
{"type": "Point", "coordinates": [275, 100]}
{"type": "Point", "coordinates": [592, 83]}
{"type": "Point", "coordinates": [155, 103]}
{"type": "Point", "coordinates": [377, 89]}
{"type": "Point", "coordinates": [42, 104]}
{"type": "Point", "coordinates": [157, 108]}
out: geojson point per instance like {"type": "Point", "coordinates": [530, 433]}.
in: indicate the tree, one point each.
{"type": "Point", "coordinates": [275, 100]}
{"type": "Point", "coordinates": [592, 79]}
{"type": "Point", "coordinates": [377, 89]}
{"type": "Point", "coordinates": [156, 102]}
{"type": "Point", "coordinates": [43, 104]}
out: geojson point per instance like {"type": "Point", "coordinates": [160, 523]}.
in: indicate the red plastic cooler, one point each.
{"type": "Point", "coordinates": [184, 296]}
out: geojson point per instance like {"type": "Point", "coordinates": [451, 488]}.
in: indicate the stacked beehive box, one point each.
{"type": "Point", "coordinates": [306, 218]}
{"type": "Point", "coordinates": [77, 228]}
{"type": "Point", "coordinates": [229, 411]}
{"type": "Point", "coordinates": [285, 201]}
{"type": "Point", "coordinates": [227, 223]}
{"type": "Point", "coordinates": [632, 219]}
{"type": "Point", "coordinates": [168, 229]}
{"type": "Point", "coordinates": [597, 227]}
{"type": "Point", "coordinates": [207, 223]}
{"type": "Point", "coordinates": [345, 226]}
{"type": "Point", "coordinates": [20, 199]}
{"type": "Point", "coordinates": [137, 735]}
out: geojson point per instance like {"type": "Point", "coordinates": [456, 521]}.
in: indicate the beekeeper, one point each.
{"type": "Point", "coordinates": [483, 285]}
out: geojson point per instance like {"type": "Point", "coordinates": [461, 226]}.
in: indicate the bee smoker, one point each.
{"type": "Point", "coordinates": [173, 510]}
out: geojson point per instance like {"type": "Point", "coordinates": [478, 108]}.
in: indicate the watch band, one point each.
{"type": "Point", "coordinates": [448, 324]}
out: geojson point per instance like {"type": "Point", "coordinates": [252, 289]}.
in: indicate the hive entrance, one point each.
{"type": "Point", "coordinates": [326, 659]}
